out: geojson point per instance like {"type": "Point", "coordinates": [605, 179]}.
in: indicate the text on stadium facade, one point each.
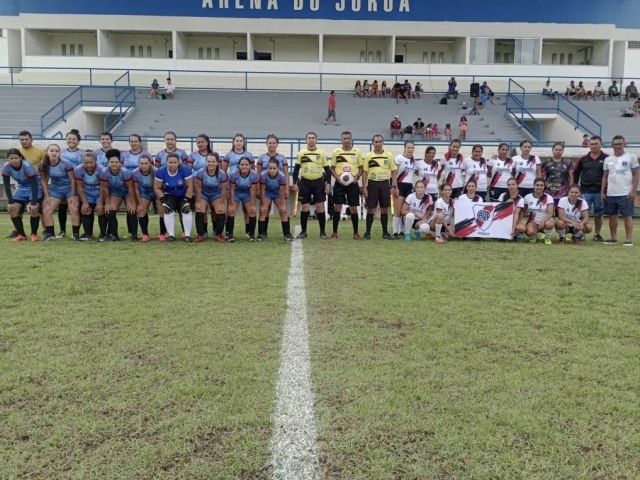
{"type": "Point", "coordinates": [400, 6]}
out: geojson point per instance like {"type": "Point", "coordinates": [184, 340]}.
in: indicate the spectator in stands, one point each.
{"type": "Point", "coordinates": [585, 140]}
{"type": "Point", "coordinates": [429, 131]}
{"type": "Point", "coordinates": [613, 90]}
{"type": "Point", "coordinates": [631, 91]}
{"type": "Point", "coordinates": [485, 90]}
{"type": "Point", "coordinates": [418, 90]}
{"type": "Point", "coordinates": [452, 91]}
{"type": "Point", "coordinates": [331, 109]}
{"type": "Point", "coordinates": [374, 89]}
{"type": "Point", "coordinates": [383, 89]}
{"type": "Point", "coordinates": [406, 90]}
{"type": "Point", "coordinates": [366, 89]}
{"type": "Point", "coordinates": [357, 90]}
{"type": "Point", "coordinates": [447, 132]}
{"type": "Point", "coordinates": [571, 89]}
{"type": "Point", "coordinates": [435, 132]}
{"type": "Point", "coordinates": [464, 125]}
{"type": "Point", "coordinates": [598, 91]}
{"type": "Point", "coordinates": [581, 92]}
{"type": "Point", "coordinates": [418, 128]}
{"type": "Point", "coordinates": [548, 91]}
{"type": "Point", "coordinates": [636, 108]}
{"type": "Point", "coordinates": [396, 92]}
{"type": "Point", "coordinates": [169, 89]}
{"type": "Point", "coordinates": [396, 127]}
{"type": "Point", "coordinates": [155, 88]}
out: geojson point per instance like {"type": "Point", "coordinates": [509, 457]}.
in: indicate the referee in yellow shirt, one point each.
{"type": "Point", "coordinates": [379, 178]}
{"type": "Point", "coordinates": [312, 180]}
{"type": "Point", "coordinates": [346, 159]}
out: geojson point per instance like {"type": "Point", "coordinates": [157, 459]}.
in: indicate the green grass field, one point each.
{"type": "Point", "coordinates": [459, 361]}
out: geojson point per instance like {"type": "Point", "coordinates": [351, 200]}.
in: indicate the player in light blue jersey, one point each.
{"type": "Point", "coordinates": [274, 187]}
{"type": "Point", "coordinates": [143, 178]}
{"type": "Point", "coordinates": [28, 194]}
{"type": "Point", "coordinates": [130, 157]}
{"type": "Point", "coordinates": [263, 161]}
{"type": "Point", "coordinates": [106, 139]}
{"type": "Point", "coordinates": [231, 163]}
{"type": "Point", "coordinates": [244, 183]}
{"type": "Point", "coordinates": [61, 189]}
{"type": "Point", "coordinates": [72, 154]}
{"type": "Point", "coordinates": [170, 142]}
{"type": "Point", "coordinates": [197, 160]}
{"type": "Point", "coordinates": [88, 187]}
{"type": "Point", "coordinates": [173, 185]}
{"type": "Point", "coordinates": [116, 186]}
{"type": "Point", "coordinates": [211, 191]}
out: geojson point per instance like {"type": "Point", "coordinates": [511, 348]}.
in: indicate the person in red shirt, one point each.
{"type": "Point", "coordinates": [396, 127]}
{"type": "Point", "coordinates": [332, 108]}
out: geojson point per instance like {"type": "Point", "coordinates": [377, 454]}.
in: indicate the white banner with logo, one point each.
{"type": "Point", "coordinates": [484, 220]}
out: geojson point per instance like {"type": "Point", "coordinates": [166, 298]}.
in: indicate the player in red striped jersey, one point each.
{"type": "Point", "coordinates": [406, 166]}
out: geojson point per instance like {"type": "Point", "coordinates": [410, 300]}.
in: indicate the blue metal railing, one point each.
{"type": "Point", "coordinates": [122, 99]}
{"type": "Point", "coordinates": [120, 110]}
{"type": "Point", "coordinates": [577, 116]}
{"type": "Point", "coordinates": [515, 106]}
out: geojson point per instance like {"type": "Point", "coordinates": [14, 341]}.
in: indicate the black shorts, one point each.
{"type": "Point", "coordinates": [405, 189]}
{"type": "Point", "coordinates": [494, 193]}
{"type": "Point", "coordinates": [24, 203]}
{"type": "Point", "coordinates": [378, 193]}
{"type": "Point", "coordinates": [346, 195]}
{"type": "Point", "coordinates": [311, 191]}
{"type": "Point", "coordinates": [176, 202]}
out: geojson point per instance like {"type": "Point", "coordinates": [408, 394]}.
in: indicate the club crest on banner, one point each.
{"type": "Point", "coordinates": [484, 216]}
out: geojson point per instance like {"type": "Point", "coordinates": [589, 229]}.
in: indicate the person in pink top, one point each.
{"type": "Point", "coordinates": [332, 108]}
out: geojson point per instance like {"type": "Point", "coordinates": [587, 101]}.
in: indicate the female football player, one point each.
{"type": "Point", "coordinates": [513, 195]}
{"type": "Point", "coordinates": [526, 168]}
{"type": "Point", "coordinates": [244, 183]}
{"type": "Point", "coordinates": [88, 188]}
{"type": "Point", "coordinates": [62, 188]}
{"type": "Point", "coordinates": [211, 191]}
{"type": "Point", "coordinates": [573, 215]}
{"type": "Point", "coordinates": [443, 217]}
{"type": "Point", "coordinates": [170, 142]}
{"type": "Point", "coordinates": [500, 170]}
{"type": "Point", "coordinates": [540, 208]}
{"type": "Point", "coordinates": [106, 139]}
{"type": "Point", "coordinates": [231, 162]}
{"type": "Point", "coordinates": [274, 187]}
{"type": "Point", "coordinates": [263, 163]}
{"type": "Point", "coordinates": [116, 186]}
{"type": "Point", "coordinates": [406, 167]}
{"type": "Point", "coordinates": [197, 160]}
{"type": "Point", "coordinates": [27, 196]}
{"type": "Point", "coordinates": [428, 170]}
{"type": "Point", "coordinates": [173, 185]}
{"type": "Point", "coordinates": [131, 157]}
{"type": "Point", "coordinates": [416, 211]}
{"type": "Point", "coordinates": [475, 168]}
{"type": "Point", "coordinates": [143, 178]}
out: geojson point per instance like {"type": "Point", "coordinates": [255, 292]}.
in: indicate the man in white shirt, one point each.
{"type": "Point", "coordinates": [619, 187]}
{"type": "Point", "coordinates": [598, 91]}
{"type": "Point", "coordinates": [169, 89]}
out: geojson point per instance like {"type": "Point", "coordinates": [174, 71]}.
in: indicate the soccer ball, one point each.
{"type": "Point", "coordinates": [346, 178]}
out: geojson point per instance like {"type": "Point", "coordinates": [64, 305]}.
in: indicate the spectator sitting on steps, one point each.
{"type": "Point", "coordinates": [155, 89]}
{"type": "Point", "coordinates": [613, 90]}
{"type": "Point", "coordinates": [631, 91]}
{"type": "Point", "coordinates": [571, 89]}
{"type": "Point", "coordinates": [581, 92]}
{"type": "Point", "coordinates": [548, 91]}
{"type": "Point", "coordinates": [396, 127]}
{"type": "Point", "coordinates": [598, 91]}
{"type": "Point", "coordinates": [169, 89]}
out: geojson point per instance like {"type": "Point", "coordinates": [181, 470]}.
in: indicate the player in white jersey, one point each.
{"type": "Point", "coordinates": [573, 215]}
{"type": "Point", "coordinates": [512, 195]}
{"type": "Point", "coordinates": [540, 208]}
{"type": "Point", "coordinates": [500, 171]}
{"type": "Point", "coordinates": [428, 170]}
{"type": "Point", "coordinates": [470, 195]}
{"type": "Point", "coordinates": [443, 216]}
{"type": "Point", "coordinates": [476, 168]}
{"type": "Point", "coordinates": [416, 211]}
{"type": "Point", "coordinates": [526, 168]}
{"type": "Point", "coordinates": [452, 168]}
{"type": "Point", "coordinates": [406, 167]}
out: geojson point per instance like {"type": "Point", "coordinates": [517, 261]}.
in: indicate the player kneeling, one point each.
{"type": "Point", "coordinates": [274, 187]}
{"type": "Point", "coordinates": [573, 215]}
{"type": "Point", "coordinates": [416, 210]}
{"type": "Point", "coordinates": [540, 207]}
{"type": "Point", "coordinates": [442, 218]}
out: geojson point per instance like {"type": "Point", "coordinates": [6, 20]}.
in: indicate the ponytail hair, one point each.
{"type": "Point", "coordinates": [46, 161]}
{"type": "Point", "coordinates": [217, 157]}
{"type": "Point", "coordinates": [206, 139]}
{"type": "Point", "coordinates": [76, 133]}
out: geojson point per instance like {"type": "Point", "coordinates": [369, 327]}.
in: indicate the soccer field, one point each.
{"type": "Point", "coordinates": [459, 361]}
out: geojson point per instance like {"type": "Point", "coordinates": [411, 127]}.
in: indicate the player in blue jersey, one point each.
{"type": "Point", "coordinates": [72, 154]}
{"type": "Point", "coordinates": [106, 139]}
{"type": "Point", "coordinates": [244, 184]}
{"type": "Point", "coordinates": [130, 157]}
{"type": "Point", "coordinates": [62, 188]}
{"type": "Point", "coordinates": [211, 191]}
{"type": "Point", "coordinates": [28, 194]}
{"type": "Point", "coordinates": [197, 160]}
{"type": "Point", "coordinates": [88, 188]}
{"type": "Point", "coordinates": [143, 178]}
{"type": "Point", "coordinates": [274, 187]}
{"type": "Point", "coordinates": [231, 163]}
{"type": "Point", "coordinates": [263, 161]}
{"type": "Point", "coordinates": [116, 186]}
{"type": "Point", "coordinates": [170, 146]}
{"type": "Point", "coordinates": [173, 185]}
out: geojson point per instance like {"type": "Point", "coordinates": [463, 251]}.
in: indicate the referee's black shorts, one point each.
{"type": "Point", "coordinates": [378, 193]}
{"type": "Point", "coordinates": [346, 194]}
{"type": "Point", "coordinates": [311, 191]}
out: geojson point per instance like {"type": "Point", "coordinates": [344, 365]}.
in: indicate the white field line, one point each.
{"type": "Point", "coordinates": [294, 453]}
